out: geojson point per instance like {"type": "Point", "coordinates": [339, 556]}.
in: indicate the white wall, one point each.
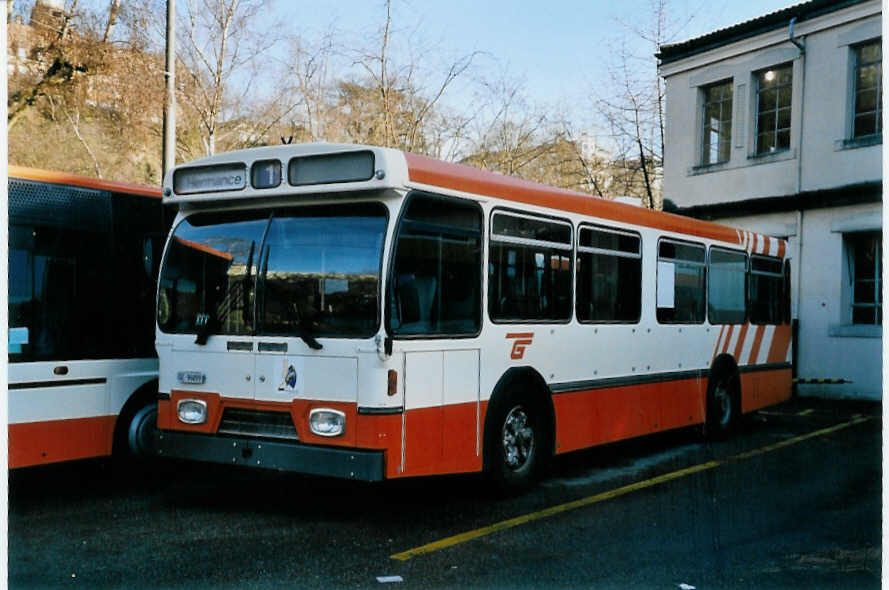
{"type": "Point", "coordinates": [829, 347]}
{"type": "Point", "coordinates": [818, 157]}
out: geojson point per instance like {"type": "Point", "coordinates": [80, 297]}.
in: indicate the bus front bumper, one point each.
{"type": "Point", "coordinates": [359, 464]}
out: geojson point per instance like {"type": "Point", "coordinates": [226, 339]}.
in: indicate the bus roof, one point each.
{"type": "Point", "coordinates": [404, 169]}
{"type": "Point", "coordinates": [427, 171]}
{"type": "Point", "coordinates": [53, 177]}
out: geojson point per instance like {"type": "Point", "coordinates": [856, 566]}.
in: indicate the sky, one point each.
{"type": "Point", "coordinates": [560, 48]}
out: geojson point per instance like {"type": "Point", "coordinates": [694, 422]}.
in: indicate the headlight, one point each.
{"type": "Point", "coordinates": [327, 422]}
{"type": "Point", "coordinates": [192, 411]}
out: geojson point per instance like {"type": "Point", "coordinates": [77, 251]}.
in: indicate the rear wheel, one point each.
{"type": "Point", "coordinates": [723, 406]}
{"type": "Point", "coordinates": [515, 443]}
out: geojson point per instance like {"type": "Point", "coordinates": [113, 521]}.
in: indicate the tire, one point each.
{"type": "Point", "coordinates": [723, 407]}
{"type": "Point", "coordinates": [141, 432]}
{"type": "Point", "coordinates": [515, 443]}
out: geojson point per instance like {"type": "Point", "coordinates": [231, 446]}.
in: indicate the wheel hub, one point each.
{"type": "Point", "coordinates": [517, 439]}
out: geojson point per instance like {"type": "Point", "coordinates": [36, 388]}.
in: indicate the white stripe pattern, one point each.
{"type": "Point", "coordinates": [766, 344]}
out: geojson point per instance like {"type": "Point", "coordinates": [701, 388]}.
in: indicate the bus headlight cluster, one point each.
{"type": "Point", "coordinates": [192, 411]}
{"type": "Point", "coordinates": [327, 422]}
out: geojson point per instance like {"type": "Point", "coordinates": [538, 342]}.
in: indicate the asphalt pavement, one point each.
{"type": "Point", "coordinates": [792, 500]}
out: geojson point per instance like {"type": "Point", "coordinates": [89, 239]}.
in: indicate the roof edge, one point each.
{"type": "Point", "coordinates": [757, 26]}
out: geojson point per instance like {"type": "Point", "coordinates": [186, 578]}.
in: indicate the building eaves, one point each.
{"type": "Point", "coordinates": [852, 194]}
{"type": "Point", "coordinates": [751, 28]}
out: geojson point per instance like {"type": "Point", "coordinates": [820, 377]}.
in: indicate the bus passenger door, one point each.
{"type": "Point", "coordinates": [441, 426]}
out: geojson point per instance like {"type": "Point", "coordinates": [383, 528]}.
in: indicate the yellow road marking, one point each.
{"type": "Point", "coordinates": [560, 508]}
{"type": "Point", "coordinates": [805, 412]}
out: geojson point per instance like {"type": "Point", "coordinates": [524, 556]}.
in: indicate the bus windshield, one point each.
{"type": "Point", "coordinates": [307, 271]}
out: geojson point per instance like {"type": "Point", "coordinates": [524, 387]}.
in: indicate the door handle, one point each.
{"type": "Point", "coordinates": [60, 370]}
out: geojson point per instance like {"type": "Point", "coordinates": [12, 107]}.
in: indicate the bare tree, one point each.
{"type": "Point", "coordinates": [406, 108]}
{"type": "Point", "coordinates": [113, 11]}
{"type": "Point", "coordinates": [218, 43]}
{"type": "Point", "coordinates": [635, 109]}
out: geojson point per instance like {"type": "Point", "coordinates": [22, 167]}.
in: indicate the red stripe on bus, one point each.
{"type": "Point", "coordinates": [443, 439]}
{"type": "Point", "coordinates": [760, 389]}
{"type": "Point", "coordinates": [429, 171]}
{"type": "Point", "coordinates": [782, 248]}
{"type": "Point", "coordinates": [37, 443]}
{"type": "Point", "coordinates": [740, 345]}
{"type": "Point", "coordinates": [757, 343]}
{"type": "Point", "coordinates": [599, 416]}
{"type": "Point", "coordinates": [728, 339]}
{"type": "Point", "coordinates": [780, 344]}
{"type": "Point", "coordinates": [54, 177]}
{"type": "Point", "coordinates": [718, 342]}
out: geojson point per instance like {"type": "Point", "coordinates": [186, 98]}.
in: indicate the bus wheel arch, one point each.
{"type": "Point", "coordinates": [518, 436]}
{"type": "Point", "coordinates": [723, 401]}
{"type": "Point", "coordinates": [136, 422]}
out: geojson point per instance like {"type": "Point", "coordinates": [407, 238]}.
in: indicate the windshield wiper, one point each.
{"type": "Point", "coordinates": [203, 324]}
{"type": "Point", "coordinates": [304, 330]}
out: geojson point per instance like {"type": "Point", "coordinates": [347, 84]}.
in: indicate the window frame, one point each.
{"type": "Point", "coordinates": [390, 271]}
{"type": "Point", "coordinates": [703, 264]}
{"type": "Point", "coordinates": [855, 50]}
{"type": "Point", "coordinates": [779, 275]}
{"type": "Point", "coordinates": [852, 240]}
{"type": "Point", "coordinates": [704, 143]}
{"type": "Point", "coordinates": [746, 284]}
{"type": "Point", "coordinates": [571, 248]}
{"type": "Point", "coordinates": [589, 250]}
{"type": "Point", "coordinates": [757, 151]}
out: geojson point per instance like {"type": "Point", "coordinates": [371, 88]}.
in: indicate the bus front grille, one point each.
{"type": "Point", "coordinates": [259, 424]}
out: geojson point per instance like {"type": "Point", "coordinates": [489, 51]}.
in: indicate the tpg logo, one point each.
{"type": "Point", "coordinates": [522, 341]}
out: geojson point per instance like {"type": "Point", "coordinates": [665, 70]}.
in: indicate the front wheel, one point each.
{"type": "Point", "coordinates": [140, 434]}
{"type": "Point", "coordinates": [514, 445]}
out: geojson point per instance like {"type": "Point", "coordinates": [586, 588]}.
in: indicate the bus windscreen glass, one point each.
{"type": "Point", "coordinates": [288, 271]}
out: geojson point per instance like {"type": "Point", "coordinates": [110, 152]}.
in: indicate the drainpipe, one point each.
{"type": "Point", "coordinates": [799, 187]}
{"type": "Point", "coordinates": [802, 109]}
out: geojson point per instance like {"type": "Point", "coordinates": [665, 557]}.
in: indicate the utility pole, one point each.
{"type": "Point", "coordinates": [170, 99]}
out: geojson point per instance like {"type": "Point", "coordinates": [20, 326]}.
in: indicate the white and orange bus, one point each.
{"type": "Point", "coordinates": [83, 255]}
{"type": "Point", "coordinates": [368, 313]}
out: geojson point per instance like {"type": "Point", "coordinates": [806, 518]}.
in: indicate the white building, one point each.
{"type": "Point", "coordinates": [775, 125]}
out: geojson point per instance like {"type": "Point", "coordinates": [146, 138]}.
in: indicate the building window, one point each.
{"type": "Point", "coordinates": [774, 89]}
{"type": "Point", "coordinates": [717, 123]}
{"type": "Point", "coordinates": [868, 115]}
{"type": "Point", "coordinates": [865, 277]}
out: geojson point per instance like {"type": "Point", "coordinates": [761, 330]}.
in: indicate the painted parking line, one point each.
{"type": "Point", "coordinates": [615, 493]}
{"type": "Point", "coordinates": [805, 412]}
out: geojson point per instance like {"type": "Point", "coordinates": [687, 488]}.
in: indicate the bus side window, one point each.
{"type": "Point", "coordinates": [727, 286]}
{"type": "Point", "coordinates": [609, 275]}
{"type": "Point", "coordinates": [59, 292]}
{"type": "Point", "coordinates": [530, 268]}
{"type": "Point", "coordinates": [681, 273]}
{"type": "Point", "coordinates": [436, 281]}
{"type": "Point", "coordinates": [766, 290]}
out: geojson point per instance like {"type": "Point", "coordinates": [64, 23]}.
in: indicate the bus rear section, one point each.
{"type": "Point", "coordinates": [363, 313]}
{"type": "Point", "coordinates": [83, 254]}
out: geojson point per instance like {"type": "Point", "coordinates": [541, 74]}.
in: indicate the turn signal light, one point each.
{"type": "Point", "coordinates": [393, 382]}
